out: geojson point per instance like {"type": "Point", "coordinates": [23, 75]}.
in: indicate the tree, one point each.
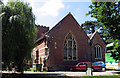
{"type": "Point", "coordinates": [91, 26]}
{"type": "Point", "coordinates": [18, 33]}
{"type": "Point", "coordinates": [108, 13]}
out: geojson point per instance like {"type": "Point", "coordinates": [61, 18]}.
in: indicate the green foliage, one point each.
{"type": "Point", "coordinates": [39, 76]}
{"type": "Point", "coordinates": [31, 69]}
{"type": "Point", "coordinates": [91, 26]}
{"type": "Point", "coordinates": [115, 52]}
{"type": "Point", "coordinates": [18, 33]}
{"type": "Point", "coordinates": [108, 13]}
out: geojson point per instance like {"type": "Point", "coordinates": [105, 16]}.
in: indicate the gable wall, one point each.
{"type": "Point", "coordinates": [56, 39]}
{"type": "Point", "coordinates": [98, 40]}
{"type": "Point", "coordinates": [58, 33]}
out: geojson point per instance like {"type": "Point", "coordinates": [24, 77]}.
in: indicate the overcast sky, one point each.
{"type": "Point", "coordinates": [50, 12]}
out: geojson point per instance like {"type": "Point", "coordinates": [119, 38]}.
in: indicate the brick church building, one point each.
{"type": "Point", "coordinates": [67, 44]}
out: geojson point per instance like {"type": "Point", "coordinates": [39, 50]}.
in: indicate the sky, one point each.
{"type": "Point", "coordinates": [50, 12]}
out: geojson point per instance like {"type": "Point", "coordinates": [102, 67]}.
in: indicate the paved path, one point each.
{"type": "Point", "coordinates": [68, 73]}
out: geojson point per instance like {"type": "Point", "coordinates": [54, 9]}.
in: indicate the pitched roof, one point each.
{"type": "Point", "coordinates": [68, 15]}
{"type": "Point", "coordinates": [43, 36]}
{"type": "Point", "coordinates": [91, 36]}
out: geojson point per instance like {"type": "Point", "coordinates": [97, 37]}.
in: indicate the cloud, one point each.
{"type": "Point", "coordinates": [48, 8]}
{"type": "Point", "coordinates": [45, 11]}
{"type": "Point", "coordinates": [51, 7]}
{"type": "Point", "coordinates": [45, 7]}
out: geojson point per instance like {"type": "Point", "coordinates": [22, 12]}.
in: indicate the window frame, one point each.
{"type": "Point", "coordinates": [98, 52]}
{"type": "Point", "coordinates": [73, 46]}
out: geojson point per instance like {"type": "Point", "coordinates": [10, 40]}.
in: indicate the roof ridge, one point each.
{"type": "Point", "coordinates": [93, 34]}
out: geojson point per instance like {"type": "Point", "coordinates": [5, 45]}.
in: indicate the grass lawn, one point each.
{"type": "Point", "coordinates": [38, 76]}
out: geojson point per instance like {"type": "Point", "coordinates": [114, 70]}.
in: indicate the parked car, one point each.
{"type": "Point", "coordinates": [100, 63]}
{"type": "Point", "coordinates": [82, 66]}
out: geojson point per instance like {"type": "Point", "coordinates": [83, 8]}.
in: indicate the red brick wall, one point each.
{"type": "Point", "coordinates": [58, 33]}
{"type": "Point", "coordinates": [40, 47]}
{"type": "Point", "coordinates": [98, 40]}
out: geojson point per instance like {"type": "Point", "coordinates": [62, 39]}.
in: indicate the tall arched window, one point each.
{"type": "Point", "coordinates": [70, 48]}
{"type": "Point", "coordinates": [98, 52]}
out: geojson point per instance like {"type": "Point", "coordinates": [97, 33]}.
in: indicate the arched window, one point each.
{"type": "Point", "coordinates": [98, 52]}
{"type": "Point", "coordinates": [70, 48]}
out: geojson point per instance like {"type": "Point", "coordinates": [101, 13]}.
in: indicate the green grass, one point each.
{"type": "Point", "coordinates": [110, 75]}
{"type": "Point", "coordinates": [31, 69]}
{"type": "Point", "coordinates": [38, 76]}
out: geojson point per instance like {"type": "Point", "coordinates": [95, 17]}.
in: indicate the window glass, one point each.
{"type": "Point", "coordinates": [74, 53]}
{"type": "Point", "coordinates": [65, 53]}
{"type": "Point", "coordinates": [69, 36]}
{"type": "Point", "coordinates": [98, 53]}
{"type": "Point", "coordinates": [69, 43]}
{"type": "Point", "coordinates": [70, 53]}
{"type": "Point", "coordinates": [70, 48]}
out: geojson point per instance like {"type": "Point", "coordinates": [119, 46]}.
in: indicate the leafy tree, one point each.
{"type": "Point", "coordinates": [91, 26]}
{"type": "Point", "coordinates": [18, 33]}
{"type": "Point", "coordinates": [108, 13]}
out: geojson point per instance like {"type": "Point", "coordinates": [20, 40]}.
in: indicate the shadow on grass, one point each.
{"type": "Point", "coordinates": [116, 72]}
{"type": "Point", "coordinates": [45, 75]}
{"type": "Point", "coordinates": [40, 75]}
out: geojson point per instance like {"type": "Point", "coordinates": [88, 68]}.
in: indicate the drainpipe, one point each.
{"type": "Point", "coordinates": [91, 50]}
